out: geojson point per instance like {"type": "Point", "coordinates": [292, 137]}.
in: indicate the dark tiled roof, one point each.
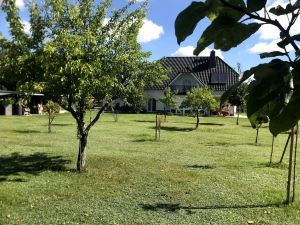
{"type": "Point", "coordinates": [199, 67]}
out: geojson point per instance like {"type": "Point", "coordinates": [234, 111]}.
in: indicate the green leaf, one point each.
{"type": "Point", "coordinates": [226, 94]}
{"type": "Point", "coordinates": [188, 19]}
{"type": "Point", "coordinates": [217, 8]}
{"type": "Point", "coordinates": [288, 117]}
{"type": "Point", "coordinates": [271, 54]}
{"type": "Point", "coordinates": [254, 5]}
{"type": "Point", "coordinates": [279, 10]}
{"type": "Point", "coordinates": [266, 93]}
{"type": "Point", "coordinates": [223, 33]}
{"type": "Point", "coordinates": [287, 41]}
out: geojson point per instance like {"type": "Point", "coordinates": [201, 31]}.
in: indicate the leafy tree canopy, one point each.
{"type": "Point", "coordinates": [170, 99]}
{"type": "Point", "coordinates": [78, 50]}
{"type": "Point", "coordinates": [275, 92]}
{"type": "Point", "coordinates": [199, 98]}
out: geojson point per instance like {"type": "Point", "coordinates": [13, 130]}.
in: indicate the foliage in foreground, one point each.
{"type": "Point", "coordinates": [275, 91]}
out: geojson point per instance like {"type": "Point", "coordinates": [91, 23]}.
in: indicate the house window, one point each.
{"type": "Point", "coordinates": [151, 105]}
{"type": "Point", "coordinates": [187, 85]}
{"type": "Point", "coordinates": [218, 78]}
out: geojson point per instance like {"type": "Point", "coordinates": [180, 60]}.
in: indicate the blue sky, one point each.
{"type": "Point", "coordinates": [158, 34]}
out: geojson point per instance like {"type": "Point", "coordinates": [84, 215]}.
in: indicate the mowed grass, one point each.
{"type": "Point", "coordinates": [213, 175]}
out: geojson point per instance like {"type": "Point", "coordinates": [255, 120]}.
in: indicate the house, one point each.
{"type": "Point", "coordinates": [188, 72]}
{"type": "Point", "coordinates": [16, 107]}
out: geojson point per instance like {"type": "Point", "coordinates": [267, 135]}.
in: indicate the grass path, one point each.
{"type": "Point", "coordinates": [213, 175]}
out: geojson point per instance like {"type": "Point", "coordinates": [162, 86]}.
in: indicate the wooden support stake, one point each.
{"type": "Point", "coordinates": [295, 160]}
{"type": "Point", "coordinates": [290, 181]}
{"type": "Point", "coordinates": [156, 128]}
{"type": "Point", "coordinates": [271, 156]}
{"type": "Point", "coordinates": [285, 147]}
{"type": "Point", "coordinates": [256, 139]}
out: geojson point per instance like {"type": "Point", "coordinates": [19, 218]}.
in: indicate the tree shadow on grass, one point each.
{"type": "Point", "coordinates": [173, 208]}
{"type": "Point", "coordinates": [203, 167]}
{"type": "Point", "coordinates": [144, 121]}
{"type": "Point", "coordinates": [61, 124]}
{"type": "Point", "coordinates": [183, 129]}
{"type": "Point", "coordinates": [33, 164]}
{"type": "Point", "coordinates": [27, 131]}
{"type": "Point", "coordinates": [211, 124]}
{"type": "Point", "coordinates": [145, 140]}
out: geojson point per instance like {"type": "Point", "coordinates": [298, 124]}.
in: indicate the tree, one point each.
{"type": "Point", "coordinates": [135, 101]}
{"type": "Point", "coordinates": [89, 52]}
{"type": "Point", "coordinates": [238, 98]}
{"type": "Point", "coordinates": [51, 108]}
{"type": "Point", "coordinates": [199, 99]}
{"type": "Point", "coordinates": [169, 100]}
{"type": "Point", "coordinates": [277, 83]}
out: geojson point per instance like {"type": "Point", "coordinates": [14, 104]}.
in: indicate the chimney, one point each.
{"type": "Point", "coordinates": [212, 60]}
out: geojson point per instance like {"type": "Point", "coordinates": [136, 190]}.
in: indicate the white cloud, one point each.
{"type": "Point", "coordinates": [150, 31]}
{"type": "Point", "coordinates": [26, 26]}
{"type": "Point", "coordinates": [268, 47]}
{"type": "Point", "coordinates": [269, 34]}
{"type": "Point", "coordinates": [20, 4]}
{"type": "Point", "coordinates": [188, 51]}
{"type": "Point", "coordinates": [184, 51]}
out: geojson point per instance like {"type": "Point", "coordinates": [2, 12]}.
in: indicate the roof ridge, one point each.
{"type": "Point", "coordinates": [186, 57]}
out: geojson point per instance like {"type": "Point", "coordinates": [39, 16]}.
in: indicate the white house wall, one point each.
{"type": "Point", "coordinates": [157, 95]}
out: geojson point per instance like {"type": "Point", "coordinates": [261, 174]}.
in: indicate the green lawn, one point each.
{"type": "Point", "coordinates": [213, 175]}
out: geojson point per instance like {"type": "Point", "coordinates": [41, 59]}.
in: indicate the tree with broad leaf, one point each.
{"type": "Point", "coordinates": [80, 50]}
{"type": "Point", "coordinates": [276, 84]}
{"type": "Point", "coordinates": [199, 98]}
{"type": "Point", "coordinates": [169, 100]}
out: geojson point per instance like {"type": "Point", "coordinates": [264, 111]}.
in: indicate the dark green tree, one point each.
{"type": "Point", "coordinates": [199, 99]}
{"type": "Point", "coordinates": [276, 84]}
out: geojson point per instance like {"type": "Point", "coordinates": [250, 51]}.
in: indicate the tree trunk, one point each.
{"type": "Point", "coordinates": [49, 122]}
{"type": "Point", "coordinates": [238, 115]}
{"type": "Point", "coordinates": [156, 127]}
{"type": "Point", "coordinates": [256, 139]}
{"type": "Point", "coordinates": [295, 162]}
{"type": "Point", "coordinates": [116, 116]}
{"type": "Point", "coordinates": [90, 115]}
{"type": "Point", "coordinates": [272, 150]}
{"type": "Point", "coordinates": [165, 111]}
{"type": "Point", "coordinates": [81, 152]}
{"type": "Point", "coordinates": [289, 191]}
{"type": "Point", "coordinates": [197, 125]}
